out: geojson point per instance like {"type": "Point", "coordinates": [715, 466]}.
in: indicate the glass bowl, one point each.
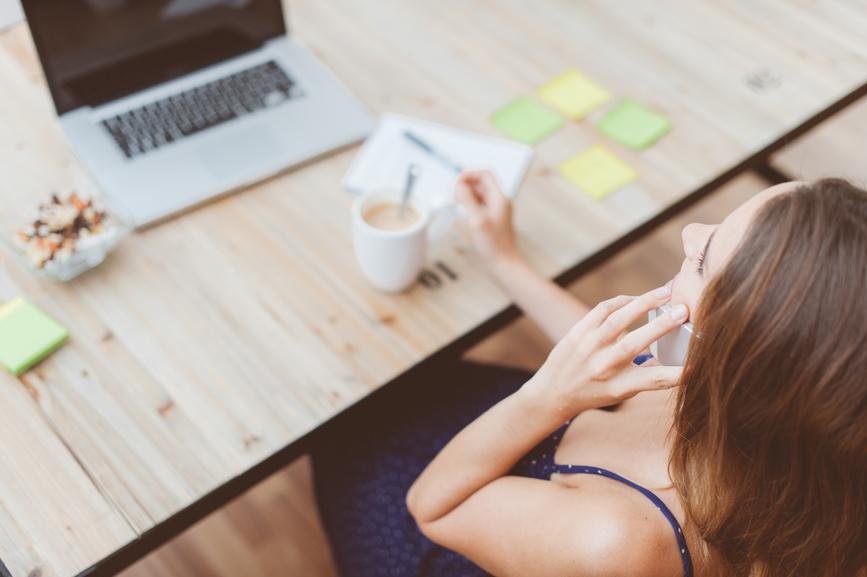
{"type": "Point", "coordinates": [64, 265]}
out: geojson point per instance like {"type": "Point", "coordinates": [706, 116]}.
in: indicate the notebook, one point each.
{"type": "Point", "coordinates": [27, 335]}
{"type": "Point", "coordinates": [385, 157]}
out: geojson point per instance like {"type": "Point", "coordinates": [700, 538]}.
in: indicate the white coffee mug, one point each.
{"type": "Point", "coordinates": [392, 259]}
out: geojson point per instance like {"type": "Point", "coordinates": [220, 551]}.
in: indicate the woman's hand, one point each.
{"type": "Point", "coordinates": [592, 366]}
{"type": "Point", "coordinates": [489, 217]}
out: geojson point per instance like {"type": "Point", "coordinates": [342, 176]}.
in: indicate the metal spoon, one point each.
{"type": "Point", "coordinates": [412, 174]}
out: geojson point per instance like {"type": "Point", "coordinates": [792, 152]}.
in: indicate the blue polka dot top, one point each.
{"type": "Point", "coordinates": [539, 464]}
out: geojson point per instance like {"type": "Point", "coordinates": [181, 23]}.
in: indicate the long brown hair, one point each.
{"type": "Point", "coordinates": [770, 446]}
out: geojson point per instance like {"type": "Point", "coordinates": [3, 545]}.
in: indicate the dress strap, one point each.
{"type": "Point", "coordinates": [681, 541]}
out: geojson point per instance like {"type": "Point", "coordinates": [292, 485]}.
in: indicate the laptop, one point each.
{"type": "Point", "coordinates": [169, 103]}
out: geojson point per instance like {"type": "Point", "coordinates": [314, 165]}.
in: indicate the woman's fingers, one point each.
{"type": "Point", "coordinates": [619, 320]}
{"type": "Point", "coordinates": [600, 313]}
{"type": "Point", "coordinates": [466, 197]}
{"type": "Point", "coordinates": [485, 185]}
{"type": "Point", "coordinates": [650, 379]}
{"type": "Point", "coordinates": [638, 340]}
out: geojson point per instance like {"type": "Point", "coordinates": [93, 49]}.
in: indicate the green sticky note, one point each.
{"type": "Point", "coordinates": [633, 125]}
{"type": "Point", "coordinates": [527, 121]}
{"type": "Point", "coordinates": [27, 335]}
{"type": "Point", "coordinates": [573, 94]}
{"type": "Point", "coordinates": [597, 171]}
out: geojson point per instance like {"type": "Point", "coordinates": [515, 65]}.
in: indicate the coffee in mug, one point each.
{"type": "Point", "coordinates": [387, 216]}
{"type": "Point", "coordinates": [391, 248]}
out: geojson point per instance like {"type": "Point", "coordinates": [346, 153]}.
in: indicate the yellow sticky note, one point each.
{"type": "Point", "coordinates": [598, 172]}
{"type": "Point", "coordinates": [573, 94]}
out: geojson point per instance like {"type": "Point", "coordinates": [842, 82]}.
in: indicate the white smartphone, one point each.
{"type": "Point", "coordinates": [670, 349]}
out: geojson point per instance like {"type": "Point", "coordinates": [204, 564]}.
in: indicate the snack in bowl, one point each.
{"type": "Point", "coordinates": [65, 237]}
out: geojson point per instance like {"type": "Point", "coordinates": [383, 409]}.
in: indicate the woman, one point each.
{"type": "Point", "coordinates": [751, 460]}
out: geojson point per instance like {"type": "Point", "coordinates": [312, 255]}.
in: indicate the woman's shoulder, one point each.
{"type": "Point", "coordinates": [624, 532]}
{"type": "Point", "coordinates": [517, 526]}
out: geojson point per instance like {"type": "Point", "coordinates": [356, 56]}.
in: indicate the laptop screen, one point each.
{"type": "Point", "coordinates": [96, 51]}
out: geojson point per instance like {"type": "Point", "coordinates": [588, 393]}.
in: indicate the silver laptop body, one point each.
{"type": "Point", "coordinates": [149, 178]}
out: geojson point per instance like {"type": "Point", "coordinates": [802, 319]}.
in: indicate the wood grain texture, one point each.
{"type": "Point", "coordinates": [272, 530]}
{"type": "Point", "coordinates": [53, 519]}
{"type": "Point", "coordinates": [835, 148]}
{"type": "Point", "coordinates": [206, 344]}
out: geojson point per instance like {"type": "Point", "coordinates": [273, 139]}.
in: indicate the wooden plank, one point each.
{"type": "Point", "coordinates": [834, 148]}
{"type": "Point", "coordinates": [53, 519]}
{"type": "Point", "coordinates": [143, 451]}
{"type": "Point", "coordinates": [273, 530]}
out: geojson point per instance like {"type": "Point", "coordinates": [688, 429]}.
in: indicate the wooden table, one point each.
{"type": "Point", "coordinates": [205, 349]}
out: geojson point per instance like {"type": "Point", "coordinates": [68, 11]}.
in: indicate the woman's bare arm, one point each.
{"type": "Point", "coordinates": [484, 451]}
{"type": "Point", "coordinates": [489, 217]}
{"type": "Point", "coordinates": [519, 527]}
{"type": "Point", "coordinates": [589, 368]}
{"type": "Point", "coordinates": [550, 306]}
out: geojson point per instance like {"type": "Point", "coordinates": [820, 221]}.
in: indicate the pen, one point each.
{"type": "Point", "coordinates": [427, 148]}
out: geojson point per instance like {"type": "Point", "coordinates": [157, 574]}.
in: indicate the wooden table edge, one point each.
{"type": "Point", "coordinates": [195, 512]}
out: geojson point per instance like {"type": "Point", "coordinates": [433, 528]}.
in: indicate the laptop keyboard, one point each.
{"type": "Point", "coordinates": [154, 125]}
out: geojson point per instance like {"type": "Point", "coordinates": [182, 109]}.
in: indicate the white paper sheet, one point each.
{"type": "Point", "coordinates": [386, 155]}
{"type": "Point", "coordinates": [10, 13]}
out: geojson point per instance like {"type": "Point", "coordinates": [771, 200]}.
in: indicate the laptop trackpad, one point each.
{"type": "Point", "coordinates": [240, 152]}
